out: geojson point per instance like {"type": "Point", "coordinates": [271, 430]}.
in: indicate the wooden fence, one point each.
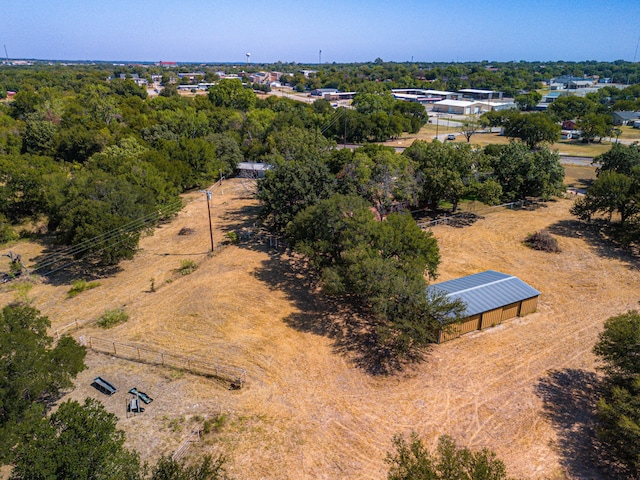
{"type": "Point", "coordinates": [75, 325]}
{"type": "Point", "coordinates": [233, 376]}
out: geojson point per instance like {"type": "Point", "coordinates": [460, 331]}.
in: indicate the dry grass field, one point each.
{"type": "Point", "coordinates": [310, 408]}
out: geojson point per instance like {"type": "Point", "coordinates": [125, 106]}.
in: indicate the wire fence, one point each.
{"type": "Point", "coordinates": [235, 377]}
{"type": "Point", "coordinates": [183, 449]}
{"type": "Point", "coordinates": [454, 219]}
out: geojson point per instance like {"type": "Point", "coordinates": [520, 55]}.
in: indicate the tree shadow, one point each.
{"type": "Point", "coordinates": [598, 235]}
{"type": "Point", "coordinates": [353, 333]}
{"type": "Point", "coordinates": [570, 397]}
{"type": "Point", "coordinates": [344, 321]}
{"type": "Point", "coordinates": [60, 268]}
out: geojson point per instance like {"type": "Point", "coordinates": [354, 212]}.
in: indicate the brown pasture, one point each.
{"type": "Point", "coordinates": [311, 408]}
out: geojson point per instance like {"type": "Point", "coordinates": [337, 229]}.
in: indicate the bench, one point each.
{"type": "Point", "coordinates": [103, 386]}
{"type": "Point", "coordinates": [141, 395]}
{"type": "Point", "coordinates": [134, 406]}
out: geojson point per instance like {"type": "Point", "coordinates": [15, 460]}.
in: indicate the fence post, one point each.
{"type": "Point", "coordinates": [138, 354]}
{"type": "Point", "coordinates": [114, 348]}
{"type": "Point", "coordinates": [162, 358]}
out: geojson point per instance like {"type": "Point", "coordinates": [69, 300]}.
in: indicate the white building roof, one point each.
{"type": "Point", "coordinates": [420, 91]}
{"type": "Point", "coordinates": [474, 90]}
{"type": "Point", "coordinates": [455, 103]}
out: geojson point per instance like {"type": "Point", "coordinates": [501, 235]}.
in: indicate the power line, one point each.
{"type": "Point", "coordinates": [92, 242]}
{"type": "Point", "coordinates": [171, 208]}
{"type": "Point", "coordinates": [120, 234]}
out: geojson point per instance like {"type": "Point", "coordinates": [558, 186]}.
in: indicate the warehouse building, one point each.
{"type": "Point", "coordinates": [490, 297]}
{"type": "Point", "coordinates": [459, 107]}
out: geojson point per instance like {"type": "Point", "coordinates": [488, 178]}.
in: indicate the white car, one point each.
{"type": "Point", "coordinates": [451, 136]}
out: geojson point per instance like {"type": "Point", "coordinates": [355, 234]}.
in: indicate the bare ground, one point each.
{"type": "Point", "coordinates": [311, 408]}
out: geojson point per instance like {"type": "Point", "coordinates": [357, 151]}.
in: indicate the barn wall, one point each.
{"type": "Point", "coordinates": [469, 325]}
{"type": "Point", "coordinates": [491, 318]}
{"type": "Point", "coordinates": [528, 306]}
{"type": "Point", "coordinates": [510, 311]}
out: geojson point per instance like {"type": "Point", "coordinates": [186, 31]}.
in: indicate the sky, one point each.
{"type": "Point", "coordinates": [344, 31]}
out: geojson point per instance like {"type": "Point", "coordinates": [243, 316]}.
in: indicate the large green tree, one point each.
{"type": "Point", "coordinates": [594, 125]}
{"type": "Point", "coordinates": [532, 128]}
{"type": "Point", "coordinates": [32, 370]}
{"type": "Point", "coordinates": [291, 186]}
{"type": "Point", "coordinates": [610, 193]}
{"type": "Point", "coordinates": [571, 107]}
{"type": "Point", "coordinates": [618, 428]}
{"type": "Point", "coordinates": [232, 94]}
{"type": "Point", "coordinates": [412, 461]}
{"type": "Point", "coordinates": [76, 442]}
{"type": "Point", "coordinates": [447, 170]}
{"type": "Point", "coordinates": [523, 173]}
{"type": "Point", "coordinates": [105, 215]}
{"type": "Point", "coordinates": [528, 101]}
{"type": "Point", "coordinates": [380, 264]}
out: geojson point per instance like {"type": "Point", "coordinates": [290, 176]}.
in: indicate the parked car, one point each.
{"type": "Point", "coordinates": [451, 136]}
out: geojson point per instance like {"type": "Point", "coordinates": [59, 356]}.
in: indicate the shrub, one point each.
{"type": "Point", "coordinates": [187, 267]}
{"type": "Point", "coordinates": [542, 241]}
{"type": "Point", "coordinates": [113, 317]}
{"type": "Point", "coordinates": [80, 286]}
{"type": "Point", "coordinates": [215, 424]}
{"type": "Point", "coordinates": [7, 234]}
{"type": "Point", "coordinates": [232, 237]}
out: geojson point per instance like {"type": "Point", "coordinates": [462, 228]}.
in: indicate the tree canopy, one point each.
{"type": "Point", "coordinates": [618, 410]}
{"type": "Point", "coordinates": [381, 264]}
{"type": "Point", "coordinates": [32, 370]}
{"type": "Point", "coordinates": [412, 461]}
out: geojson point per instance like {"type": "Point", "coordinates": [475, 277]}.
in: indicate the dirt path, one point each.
{"type": "Point", "coordinates": [308, 410]}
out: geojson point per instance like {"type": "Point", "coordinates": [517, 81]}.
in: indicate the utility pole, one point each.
{"type": "Point", "coordinates": [209, 193]}
{"type": "Point", "coordinates": [345, 127]}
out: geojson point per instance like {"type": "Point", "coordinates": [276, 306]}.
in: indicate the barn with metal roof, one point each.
{"type": "Point", "coordinates": [490, 297]}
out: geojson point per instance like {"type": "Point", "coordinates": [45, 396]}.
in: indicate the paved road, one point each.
{"type": "Point", "coordinates": [583, 161]}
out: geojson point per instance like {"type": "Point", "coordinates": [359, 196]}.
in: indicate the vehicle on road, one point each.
{"type": "Point", "coordinates": [451, 136]}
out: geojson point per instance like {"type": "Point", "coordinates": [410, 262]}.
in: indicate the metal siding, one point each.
{"type": "Point", "coordinates": [528, 306]}
{"type": "Point", "coordinates": [491, 318]}
{"type": "Point", "coordinates": [448, 335]}
{"type": "Point", "coordinates": [510, 311]}
{"type": "Point", "coordinates": [468, 325]}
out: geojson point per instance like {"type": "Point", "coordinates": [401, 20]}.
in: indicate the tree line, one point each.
{"type": "Point", "coordinates": [88, 156]}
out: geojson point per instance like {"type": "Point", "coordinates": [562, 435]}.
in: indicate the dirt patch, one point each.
{"type": "Point", "coordinates": [309, 409]}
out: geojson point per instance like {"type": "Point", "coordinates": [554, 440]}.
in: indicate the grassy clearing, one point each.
{"type": "Point", "coordinates": [629, 133]}
{"type": "Point", "coordinates": [578, 176]}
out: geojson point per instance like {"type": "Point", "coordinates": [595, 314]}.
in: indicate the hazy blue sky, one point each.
{"type": "Point", "coordinates": [345, 31]}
